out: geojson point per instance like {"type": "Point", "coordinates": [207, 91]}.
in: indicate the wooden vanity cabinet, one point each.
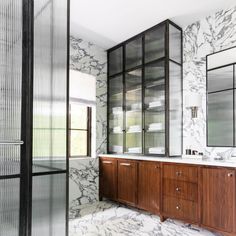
{"type": "Point", "coordinates": [180, 192]}
{"type": "Point", "coordinates": [218, 199]}
{"type": "Point", "coordinates": [127, 182]}
{"type": "Point", "coordinates": [149, 186]}
{"type": "Point", "coordinates": [202, 195]}
{"type": "Point", "coordinates": [108, 178]}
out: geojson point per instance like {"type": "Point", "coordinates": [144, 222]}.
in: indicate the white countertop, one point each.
{"type": "Point", "coordinates": [206, 162]}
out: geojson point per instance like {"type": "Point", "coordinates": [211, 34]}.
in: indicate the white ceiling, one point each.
{"type": "Point", "coordinates": [109, 22]}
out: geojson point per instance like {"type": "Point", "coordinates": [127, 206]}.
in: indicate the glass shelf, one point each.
{"type": "Point", "coordinates": [116, 113]}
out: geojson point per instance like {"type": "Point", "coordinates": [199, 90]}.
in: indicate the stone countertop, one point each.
{"type": "Point", "coordinates": [206, 162]}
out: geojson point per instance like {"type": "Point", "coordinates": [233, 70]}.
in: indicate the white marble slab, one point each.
{"type": "Point", "coordinates": [111, 219]}
{"type": "Point", "coordinates": [206, 162]}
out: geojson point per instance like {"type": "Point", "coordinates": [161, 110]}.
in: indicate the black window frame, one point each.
{"type": "Point", "coordinates": [88, 130]}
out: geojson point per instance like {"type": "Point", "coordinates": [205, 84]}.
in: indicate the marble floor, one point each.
{"type": "Point", "coordinates": [107, 219]}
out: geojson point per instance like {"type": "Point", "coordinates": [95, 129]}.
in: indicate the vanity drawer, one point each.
{"type": "Point", "coordinates": [181, 189]}
{"type": "Point", "coordinates": [180, 209]}
{"type": "Point", "coordinates": [180, 172]}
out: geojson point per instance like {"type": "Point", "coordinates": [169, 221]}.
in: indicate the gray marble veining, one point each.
{"type": "Point", "coordinates": [110, 219]}
{"type": "Point", "coordinates": [211, 34]}
{"type": "Point", "coordinates": [91, 59]}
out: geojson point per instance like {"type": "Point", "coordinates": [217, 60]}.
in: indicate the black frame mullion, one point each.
{"type": "Point", "coordinates": [89, 124]}
{"type": "Point", "coordinates": [27, 119]}
{"type": "Point", "coordinates": [233, 107]}
{"type": "Point", "coordinates": [143, 95]}
{"type": "Point", "coordinates": [88, 130]}
{"type": "Point", "coordinates": [124, 98]}
{"type": "Point", "coordinates": [167, 90]}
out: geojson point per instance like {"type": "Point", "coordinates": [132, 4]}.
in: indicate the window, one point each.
{"type": "Point", "coordinates": [82, 125]}
{"type": "Point", "coordinates": [80, 130]}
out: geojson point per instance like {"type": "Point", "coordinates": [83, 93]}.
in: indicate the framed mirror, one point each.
{"type": "Point", "coordinates": [221, 98]}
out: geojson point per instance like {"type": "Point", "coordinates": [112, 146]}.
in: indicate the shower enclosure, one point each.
{"type": "Point", "coordinates": [33, 117]}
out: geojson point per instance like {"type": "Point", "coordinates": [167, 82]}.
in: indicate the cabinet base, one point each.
{"type": "Point", "coordinates": [162, 218]}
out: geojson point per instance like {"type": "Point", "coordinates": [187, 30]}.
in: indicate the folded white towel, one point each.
{"type": "Point", "coordinates": [136, 106]}
{"type": "Point", "coordinates": [117, 129]}
{"type": "Point", "coordinates": [117, 148]}
{"type": "Point", "coordinates": [135, 150]}
{"type": "Point", "coordinates": [156, 150]}
{"type": "Point", "coordinates": [134, 128]}
{"type": "Point", "coordinates": [156, 125]}
{"type": "Point", "coordinates": [116, 110]}
{"type": "Point", "coordinates": [155, 104]}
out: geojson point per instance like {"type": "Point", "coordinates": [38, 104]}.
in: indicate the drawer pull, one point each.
{"type": "Point", "coordinates": [177, 208]}
{"type": "Point", "coordinates": [178, 189]}
{"type": "Point", "coordinates": [107, 162]}
{"type": "Point", "coordinates": [230, 174]}
{"type": "Point", "coordinates": [125, 164]}
{"type": "Point", "coordinates": [178, 173]}
{"type": "Point", "coordinates": [156, 167]}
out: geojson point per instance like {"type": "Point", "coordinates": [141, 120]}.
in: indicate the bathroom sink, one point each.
{"type": "Point", "coordinates": [232, 160]}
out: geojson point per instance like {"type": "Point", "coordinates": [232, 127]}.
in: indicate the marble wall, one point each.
{"type": "Point", "coordinates": [89, 58]}
{"type": "Point", "coordinates": [211, 34]}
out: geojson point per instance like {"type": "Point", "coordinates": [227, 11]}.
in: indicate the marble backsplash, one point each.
{"type": "Point", "coordinates": [211, 34]}
{"type": "Point", "coordinates": [83, 173]}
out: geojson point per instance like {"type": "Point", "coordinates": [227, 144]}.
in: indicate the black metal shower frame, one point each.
{"type": "Point", "coordinates": [26, 175]}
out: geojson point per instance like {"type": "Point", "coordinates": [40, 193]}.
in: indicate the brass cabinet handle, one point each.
{"type": "Point", "coordinates": [125, 164]}
{"type": "Point", "coordinates": [178, 173]}
{"type": "Point", "coordinates": [156, 167]}
{"type": "Point", "coordinates": [178, 189]}
{"type": "Point", "coordinates": [177, 208]}
{"type": "Point", "coordinates": [107, 162]}
{"type": "Point", "coordinates": [230, 174]}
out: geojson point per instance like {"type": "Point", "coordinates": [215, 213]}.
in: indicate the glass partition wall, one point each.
{"type": "Point", "coordinates": [149, 66]}
{"type": "Point", "coordinates": [33, 117]}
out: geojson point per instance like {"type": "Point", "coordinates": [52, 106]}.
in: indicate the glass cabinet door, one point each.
{"type": "Point", "coordinates": [116, 61]}
{"type": "Point", "coordinates": [155, 44]}
{"type": "Point", "coordinates": [133, 53]}
{"type": "Point", "coordinates": [133, 95]}
{"type": "Point", "coordinates": [116, 114]}
{"type": "Point", "coordinates": [175, 48]}
{"type": "Point", "coordinates": [175, 109]}
{"type": "Point", "coordinates": [154, 83]}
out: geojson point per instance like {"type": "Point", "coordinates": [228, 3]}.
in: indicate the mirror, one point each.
{"type": "Point", "coordinates": [221, 98]}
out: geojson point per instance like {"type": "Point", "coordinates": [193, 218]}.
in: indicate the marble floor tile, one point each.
{"type": "Point", "coordinates": [110, 219]}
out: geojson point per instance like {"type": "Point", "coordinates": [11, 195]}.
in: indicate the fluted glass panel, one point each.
{"type": "Point", "coordinates": [175, 44]}
{"type": "Point", "coordinates": [50, 68]}
{"type": "Point", "coordinates": [175, 110]}
{"type": "Point", "coordinates": [220, 119]}
{"type": "Point", "coordinates": [10, 84]}
{"type": "Point", "coordinates": [9, 207]}
{"type": "Point", "coordinates": [49, 205]}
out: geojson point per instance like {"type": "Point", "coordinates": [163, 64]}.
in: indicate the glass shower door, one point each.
{"type": "Point", "coordinates": [10, 115]}
{"type": "Point", "coordinates": [49, 184]}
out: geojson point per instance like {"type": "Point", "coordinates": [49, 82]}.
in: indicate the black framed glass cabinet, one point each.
{"type": "Point", "coordinates": [145, 93]}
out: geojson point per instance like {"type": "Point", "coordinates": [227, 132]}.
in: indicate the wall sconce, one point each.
{"type": "Point", "coordinates": [193, 101]}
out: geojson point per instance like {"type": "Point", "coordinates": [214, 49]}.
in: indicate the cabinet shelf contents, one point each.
{"type": "Point", "coordinates": [141, 97]}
